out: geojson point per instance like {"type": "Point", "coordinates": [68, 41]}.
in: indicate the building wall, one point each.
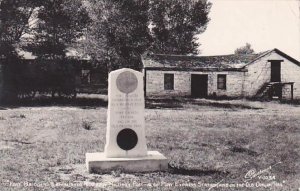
{"type": "Point", "coordinates": [239, 84]}
{"type": "Point", "coordinates": [286, 92]}
{"type": "Point", "coordinates": [259, 73]}
{"type": "Point", "coordinates": [182, 83]}
{"type": "Point", "coordinates": [290, 72]}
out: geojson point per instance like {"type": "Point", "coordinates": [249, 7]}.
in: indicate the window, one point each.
{"type": "Point", "coordinates": [85, 76]}
{"type": "Point", "coordinates": [221, 81]}
{"type": "Point", "coordinates": [169, 81]}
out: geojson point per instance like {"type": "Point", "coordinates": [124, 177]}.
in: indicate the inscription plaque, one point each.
{"type": "Point", "coordinates": [127, 139]}
{"type": "Point", "coordinates": [127, 82]}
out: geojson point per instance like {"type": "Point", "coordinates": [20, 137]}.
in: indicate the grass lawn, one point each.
{"type": "Point", "coordinates": [211, 145]}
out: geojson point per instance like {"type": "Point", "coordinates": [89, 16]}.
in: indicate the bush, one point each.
{"type": "Point", "coordinates": [25, 79]}
{"type": "Point", "coordinates": [87, 125]}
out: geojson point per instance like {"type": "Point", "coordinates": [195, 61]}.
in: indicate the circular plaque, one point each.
{"type": "Point", "coordinates": [127, 82]}
{"type": "Point", "coordinates": [127, 139]}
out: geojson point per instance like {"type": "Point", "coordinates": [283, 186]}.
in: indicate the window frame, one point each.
{"type": "Point", "coordinates": [168, 85]}
{"type": "Point", "coordinates": [222, 85]}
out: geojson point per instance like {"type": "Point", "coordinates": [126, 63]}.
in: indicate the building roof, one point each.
{"type": "Point", "coordinates": [232, 62]}
{"type": "Point", "coordinates": [278, 52]}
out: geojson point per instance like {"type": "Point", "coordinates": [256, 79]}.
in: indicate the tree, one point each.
{"type": "Point", "coordinates": [59, 24]}
{"type": "Point", "coordinates": [175, 24]}
{"type": "Point", "coordinates": [247, 49]}
{"type": "Point", "coordinates": [123, 29]}
{"type": "Point", "coordinates": [46, 29]}
{"type": "Point", "coordinates": [14, 24]}
{"type": "Point", "coordinates": [118, 34]}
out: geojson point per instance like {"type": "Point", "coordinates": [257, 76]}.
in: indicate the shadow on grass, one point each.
{"type": "Point", "coordinates": [163, 105]}
{"type": "Point", "coordinates": [92, 102]}
{"type": "Point", "coordinates": [225, 105]}
{"type": "Point", "coordinates": [84, 103]}
{"type": "Point", "coordinates": [236, 149]}
{"type": "Point", "coordinates": [195, 172]}
{"type": "Point", "coordinates": [177, 103]}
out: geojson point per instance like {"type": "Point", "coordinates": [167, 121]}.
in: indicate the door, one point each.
{"type": "Point", "coordinates": [276, 77]}
{"type": "Point", "coordinates": [275, 71]}
{"type": "Point", "coordinates": [199, 85]}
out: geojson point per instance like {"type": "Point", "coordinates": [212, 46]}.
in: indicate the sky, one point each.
{"type": "Point", "coordinates": [265, 24]}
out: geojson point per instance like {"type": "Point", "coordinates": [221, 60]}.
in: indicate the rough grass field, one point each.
{"type": "Point", "coordinates": [211, 145]}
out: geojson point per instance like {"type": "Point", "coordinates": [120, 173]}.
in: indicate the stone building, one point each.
{"type": "Point", "coordinates": [269, 74]}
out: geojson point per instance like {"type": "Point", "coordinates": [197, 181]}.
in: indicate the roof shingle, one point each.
{"type": "Point", "coordinates": [232, 61]}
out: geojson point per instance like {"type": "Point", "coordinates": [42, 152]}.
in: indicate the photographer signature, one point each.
{"type": "Point", "coordinates": [260, 174]}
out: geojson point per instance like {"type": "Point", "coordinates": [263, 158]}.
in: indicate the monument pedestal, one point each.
{"type": "Point", "coordinates": [99, 163]}
{"type": "Point", "coordinates": [125, 147]}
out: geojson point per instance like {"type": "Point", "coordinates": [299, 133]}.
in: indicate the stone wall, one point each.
{"type": "Point", "coordinates": [259, 73]}
{"type": "Point", "coordinates": [239, 84]}
{"type": "Point", "coordinates": [155, 83]}
{"type": "Point", "coordinates": [182, 83]}
{"type": "Point", "coordinates": [290, 72]}
{"type": "Point", "coordinates": [286, 92]}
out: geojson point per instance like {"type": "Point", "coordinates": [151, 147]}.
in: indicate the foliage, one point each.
{"type": "Point", "coordinates": [46, 29]}
{"type": "Point", "coordinates": [118, 33]}
{"type": "Point", "coordinates": [87, 125]}
{"type": "Point", "coordinates": [175, 24]}
{"type": "Point", "coordinates": [42, 77]}
{"type": "Point", "coordinates": [122, 30]}
{"type": "Point", "coordinates": [58, 24]}
{"type": "Point", "coordinates": [247, 49]}
{"type": "Point", "coordinates": [14, 23]}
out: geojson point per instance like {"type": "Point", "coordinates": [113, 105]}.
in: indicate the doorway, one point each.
{"type": "Point", "coordinates": [199, 85]}
{"type": "Point", "coordinates": [276, 77]}
{"type": "Point", "coordinates": [275, 71]}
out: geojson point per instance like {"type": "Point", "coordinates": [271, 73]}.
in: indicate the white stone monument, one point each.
{"type": "Point", "coordinates": [126, 148]}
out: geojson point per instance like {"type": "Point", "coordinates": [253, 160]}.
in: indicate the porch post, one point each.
{"type": "Point", "coordinates": [292, 91]}
{"type": "Point", "coordinates": [145, 82]}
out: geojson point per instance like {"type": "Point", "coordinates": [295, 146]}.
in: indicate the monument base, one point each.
{"type": "Point", "coordinates": [99, 163]}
